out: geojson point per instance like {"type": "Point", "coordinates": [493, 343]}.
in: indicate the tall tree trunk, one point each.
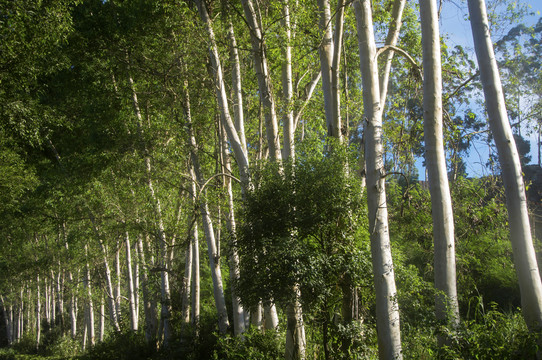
{"type": "Point", "coordinates": [237, 308]}
{"type": "Point", "coordinates": [195, 291]}
{"type": "Point", "coordinates": [518, 216]}
{"type": "Point", "coordinates": [130, 280]}
{"type": "Point", "coordinates": [149, 309]}
{"type": "Point", "coordinates": [214, 264]}
{"type": "Point", "coordinates": [259, 53]}
{"type": "Point", "coordinates": [238, 112]}
{"type": "Point", "coordinates": [239, 149]}
{"type": "Point", "coordinates": [90, 306]}
{"type": "Point", "coordinates": [187, 278]}
{"type": "Point", "coordinates": [38, 312]}
{"type": "Point", "coordinates": [195, 288]}
{"type": "Point", "coordinates": [287, 86]}
{"type": "Point", "coordinates": [446, 306]}
{"type": "Point", "coordinates": [118, 293]}
{"type": "Point", "coordinates": [73, 306]}
{"type": "Point", "coordinates": [60, 295]}
{"type": "Point", "coordinates": [102, 318]}
{"type": "Point", "coordinates": [391, 40]}
{"type": "Point", "coordinates": [330, 50]}
{"type": "Point", "coordinates": [136, 282]}
{"type": "Point", "coordinates": [387, 308]}
{"type": "Point", "coordinates": [109, 289]}
{"type": "Point", "coordinates": [164, 275]}
{"type": "Point", "coordinates": [53, 299]}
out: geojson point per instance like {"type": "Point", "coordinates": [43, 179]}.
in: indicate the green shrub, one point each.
{"type": "Point", "coordinates": [254, 345]}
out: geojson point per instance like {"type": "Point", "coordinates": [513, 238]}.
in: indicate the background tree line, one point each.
{"type": "Point", "coordinates": [238, 180]}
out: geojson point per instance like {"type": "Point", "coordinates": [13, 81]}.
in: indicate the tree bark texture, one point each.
{"type": "Point", "coordinates": [446, 306]}
{"type": "Point", "coordinates": [387, 308]}
{"type": "Point", "coordinates": [518, 217]}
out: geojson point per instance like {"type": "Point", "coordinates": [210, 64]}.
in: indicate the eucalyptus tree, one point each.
{"type": "Point", "coordinates": [518, 217]}
{"type": "Point", "coordinates": [447, 308]}
{"type": "Point", "coordinates": [387, 308]}
{"type": "Point", "coordinates": [330, 52]}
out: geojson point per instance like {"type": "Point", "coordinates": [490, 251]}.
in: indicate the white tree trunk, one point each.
{"type": "Point", "coordinates": [38, 311]}
{"type": "Point", "coordinates": [518, 217]}
{"type": "Point", "coordinates": [136, 282]}
{"type": "Point", "coordinates": [214, 264]}
{"type": "Point", "coordinates": [60, 294]}
{"type": "Point", "coordinates": [102, 319]}
{"type": "Point", "coordinates": [237, 308]}
{"type": "Point", "coordinates": [238, 112]}
{"type": "Point", "coordinates": [118, 294]}
{"type": "Point", "coordinates": [259, 52]}
{"type": "Point", "coordinates": [130, 280]}
{"type": "Point", "coordinates": [46, 301]}
{"type": "Point", "coordinates": [330, 50]}
{"type": "Point", "coordinates": [149, 309]}
{"type": "Point", "coordinates": [287, 87]}
{"type": "Point", "coordinates": [165, 292]}
{"type": "Point", "coordinates": [187, 278]}
{"type": "Point", "coordinates": [109, 289]}
{"type": "Point", "coordinates": [391, 39]}
{"type": "Point", "coordinates": [195, 288]}
{"type": "Point", "coordinates": [90, 307]}
{"type": "Point", "coordinates": [53, 299]}
{"type": "Point", "coordinates": [73, 306]}
{"type": "Point", "coordinates": [239, 150]}
{"type": "Point", "coordinates": [387, 308]}
{"type": "Point", "coordinates": [446, 306]}
{"type": "Point", "coordinates": [295, 330]}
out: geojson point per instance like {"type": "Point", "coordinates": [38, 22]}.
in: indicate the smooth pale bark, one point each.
{"type": "Point", "coordinates": [46, 300]}
{"type": "Point", "coordinates": [29, 308]}
{"type": "Point", "coordinates": [60, 295]}
{"type": "Point", "coordinates": [518, 216]}
{"type": "Point", "coordinates": [90, 307]}
{"type": "Point", "coordinates": [136, 283]}
{"type": "Point", "coordinates": [165, 293]}
{"type": "Point", "coordinates": [102, 318]}
{"type": "Point", "coordinates": [261, 68]}
{"type": "Point", "coordinates": [237, 308]}
{"type": "Point", "coordinates": [446, 306]}
{"type": "Point", "coordinates": [53, 299]}
{"type": "Point", "coordinates": [73, 307]}
{"type": "Point", "coordinates": [296, 343]}
{"type": "Point", "coordinates": [330, 51]}
{"type": "Point", "coordinates": [148, 306]}
{"type": "Point", "coordinates": [85, 331]}
{"type": "Point", "coordinates": [118, 294]}
{"type": "Point", "coordinates": [130, 280]}
{"type": "Point", "coordinates": [195, 287]}
{"type": "Point", "coordinates": [240, 153]}
{"type": "Point", "coordinates": [391, 40]}
{"type": "Point", "coordinates": [387, 308]}
{"type": "Point", "coordinates": [38, 312]}
{"type": "Point", "coordinates": [270, 316]}
{"type": "Point", "coordinates": [216, 275]}
{"type": "Point", "coordinates": [109, 289]}
{"type": "Point", "coordinates": [238, 112]}
{"type": "Point", "coordinates": [287, 86]}
{"type": "Point", "coordinates": [187, 278]}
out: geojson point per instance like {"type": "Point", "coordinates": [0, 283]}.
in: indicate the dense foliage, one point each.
{"type": "Point", "coordinates": [125, 219]}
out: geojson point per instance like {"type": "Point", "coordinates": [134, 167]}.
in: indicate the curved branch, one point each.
{"type": "Point", "coordinates": [402, 52]}
{"type": "Point", "coordinates": [214, 176]}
